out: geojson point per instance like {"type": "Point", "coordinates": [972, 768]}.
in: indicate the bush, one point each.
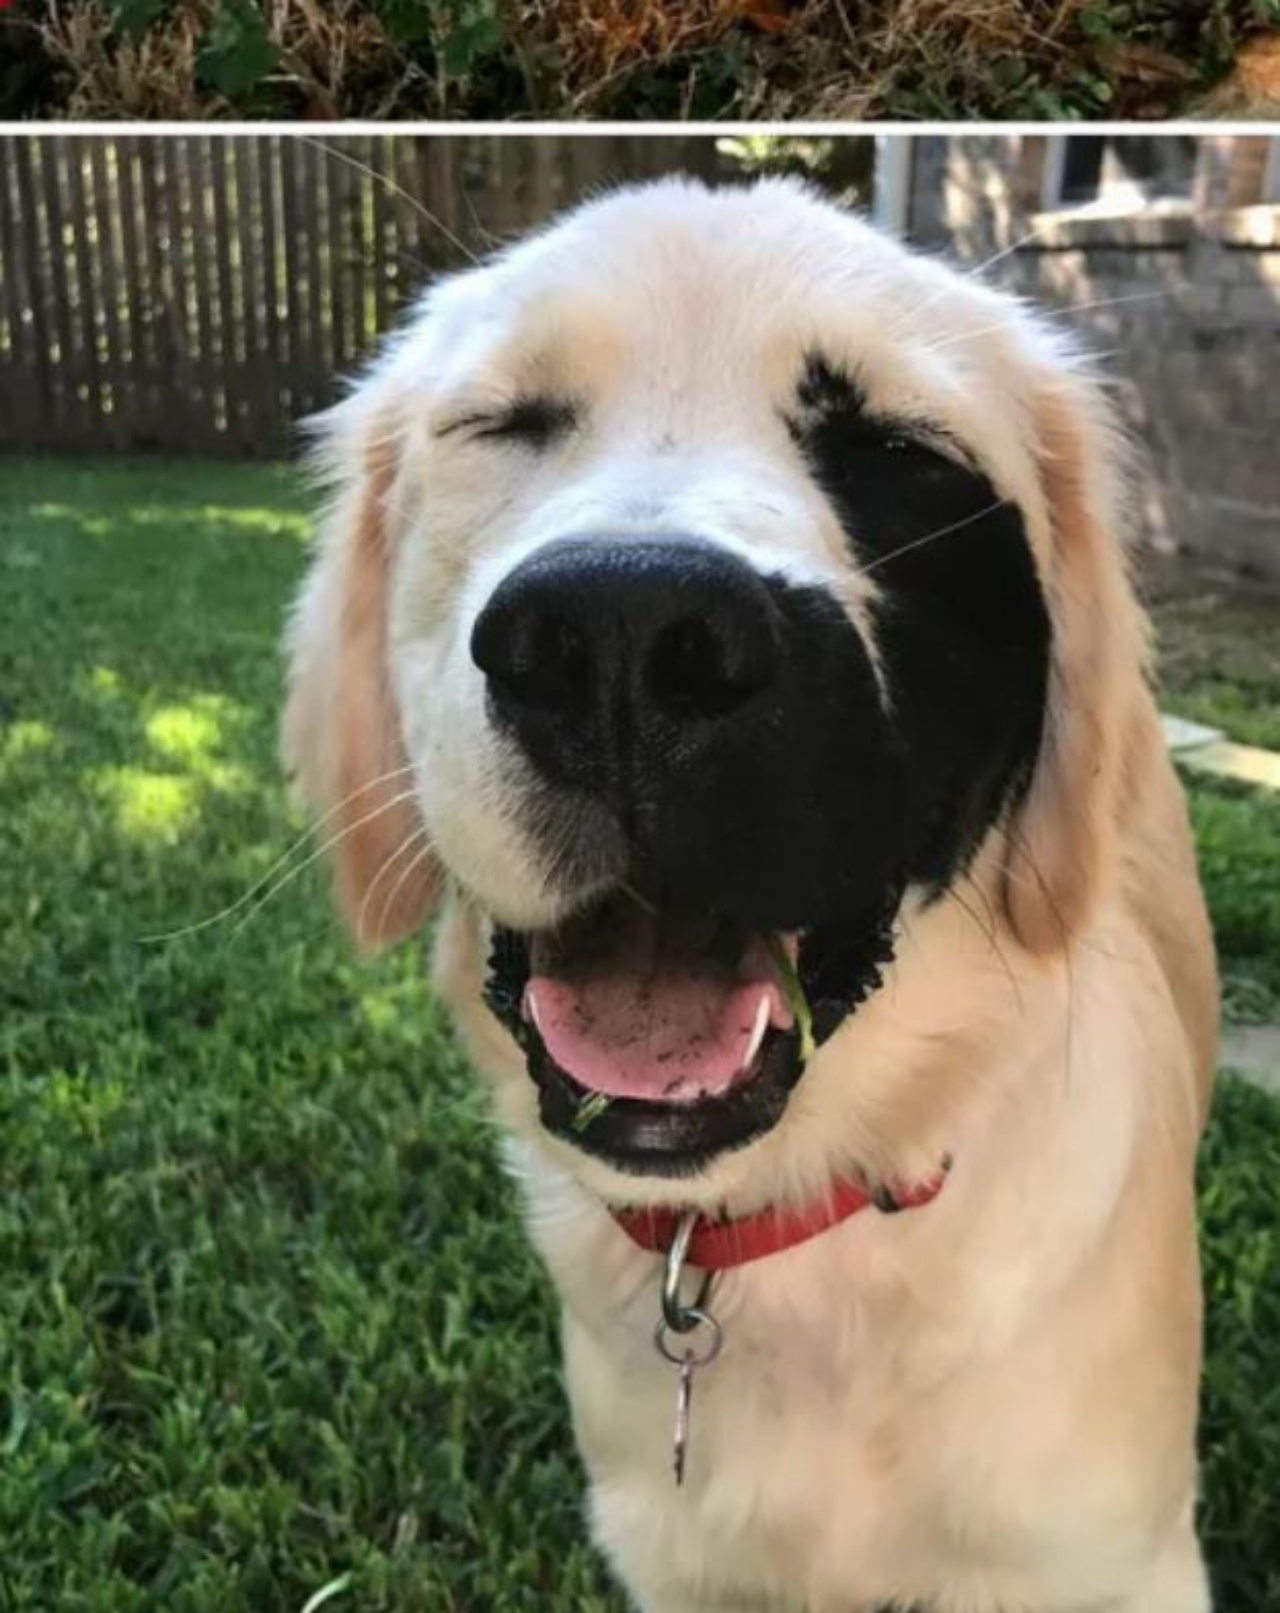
{"type": "Point", "coordinates": [618, 58]}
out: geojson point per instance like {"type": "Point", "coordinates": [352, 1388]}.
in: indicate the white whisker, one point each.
{"type": "Point", "coordinates": [969, 274]}
{"type": "Point", "coordinates": [415, 862]}
{"type": "Point", "coordinates": [396, 190]}
{"type": "Point", "coordinates": [1051, 313]}
{"type": "Point", "coordinates": [384, 867]}
{"type": "Point", "coordinates": [931, 537]}
{"type": "Point", "coordinates": [313, 828]}
{"type": "Point", "coordinates": [395, 800]}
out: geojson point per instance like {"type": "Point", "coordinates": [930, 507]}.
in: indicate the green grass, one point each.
{"type": "Point", "coordinates": [1220, 664]}
{"type": "Point", "coordinates": [266, 1317]}
{"type": "Point", "coordinates": [1238, 837]}
{"type": "Point", "coordinates": [1220, 660]}
{"type": "Point", "coordinates": [267, 1322]}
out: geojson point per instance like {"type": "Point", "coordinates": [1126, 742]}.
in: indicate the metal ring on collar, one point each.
{"type": "Point", "coordinates": [695, 1318]}
{"type": "Point", "coordinates": [676, 1315]}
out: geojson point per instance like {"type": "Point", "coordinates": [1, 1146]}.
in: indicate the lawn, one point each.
{"type": "Point", "coordinates": [269, 1335]}
{"type": "Point", "coordinates": [742, 59]}
{"type": "Point", "coordinates": [1220, 665]}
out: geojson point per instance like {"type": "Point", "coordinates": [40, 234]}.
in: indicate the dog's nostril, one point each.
{"type": "Point", "coordinates": [623, 639]}
{"type": "Point", "coordinates": [695, 668]}
{"type": "Point", "coordinates": [544, 661]}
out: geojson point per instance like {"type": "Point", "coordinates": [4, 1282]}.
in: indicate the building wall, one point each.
{"type": "Point", "coordinates": [1192, 336]}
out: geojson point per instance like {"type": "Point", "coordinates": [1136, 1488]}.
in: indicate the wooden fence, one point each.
{"type": "Point", "coordinates": [200, 293]}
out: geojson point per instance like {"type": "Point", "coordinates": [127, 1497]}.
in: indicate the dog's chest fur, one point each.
{"type": "Point", "coordinates": [837, 1453]}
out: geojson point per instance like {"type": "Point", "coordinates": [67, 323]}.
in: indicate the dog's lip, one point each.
{"type": "Point", "coordinates": [655, 1138]}
{"type": "Point", "coordinates": [664, 1076]}
{"type": "Point", "coordinates": [838, 967]}
{"type": "Point", "coordinates": [643, 1020]}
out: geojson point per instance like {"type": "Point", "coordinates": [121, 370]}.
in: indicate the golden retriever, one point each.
{"type": "Point", "coordinates": [723, 616]}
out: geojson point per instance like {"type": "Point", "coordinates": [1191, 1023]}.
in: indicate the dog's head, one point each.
{"type": "Point", "coordinates": [711, 581]}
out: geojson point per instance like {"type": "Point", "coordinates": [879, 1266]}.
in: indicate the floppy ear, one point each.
{"type": "Point", "coordinates": [340, 737]}
{"type": "Point", "coordinates": [1062, 842]}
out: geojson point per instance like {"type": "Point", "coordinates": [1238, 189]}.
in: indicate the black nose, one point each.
{"type": "Point", "coordinates": [602, 654]}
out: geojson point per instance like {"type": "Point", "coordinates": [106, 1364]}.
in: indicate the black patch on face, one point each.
{"type": "Point", "coordinates": [963, 630]}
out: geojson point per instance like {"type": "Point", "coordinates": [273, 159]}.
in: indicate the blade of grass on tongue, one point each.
{"type": "Point", "coordinates": [591, 1108]}
{"type": "Point", "coordinates": [794, 992]}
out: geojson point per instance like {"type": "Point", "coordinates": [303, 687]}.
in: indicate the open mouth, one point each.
{"type": "Point", "coordinates": [659, 1039]}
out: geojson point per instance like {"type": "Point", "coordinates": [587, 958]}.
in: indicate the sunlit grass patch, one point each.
{"type": "Point", "coordinates": [150, 804]}
{"type": "Point", "coordinates": [25, 739]}
{"type": "Point", "coordinates": [190, 732]}
{"type": "Point", "coordinates": [87, 522]}
{"type": "Point", "coordinates": [263, 521]}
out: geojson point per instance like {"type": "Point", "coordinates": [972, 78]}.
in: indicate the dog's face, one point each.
{"type": "Point", "coordinates": [704, 594]}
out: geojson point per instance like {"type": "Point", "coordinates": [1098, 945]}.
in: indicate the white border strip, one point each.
{"type": "Point", "coordinates": [726, 130]}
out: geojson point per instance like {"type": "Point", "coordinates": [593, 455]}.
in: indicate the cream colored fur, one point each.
{"type": "Point", "coordinates": [988, 1404]}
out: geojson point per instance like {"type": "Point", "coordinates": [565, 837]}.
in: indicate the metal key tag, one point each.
{"type": "Point", "coordinates": [684, 1404]}
{"type": "Point", "coordinates": [683, 1320]}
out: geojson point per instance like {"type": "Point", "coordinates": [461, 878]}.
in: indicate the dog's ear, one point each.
{"type": "Point", "coordinates": [1062, 840]}
{"type": "Point", "coordinates": [341, 741]}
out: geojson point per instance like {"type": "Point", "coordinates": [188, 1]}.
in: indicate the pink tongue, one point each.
{"type": "Point", "coordinates": [667, 1039]}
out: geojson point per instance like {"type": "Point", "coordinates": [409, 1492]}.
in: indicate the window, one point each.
{"type": "Point", "coordinates": [1115, 173]}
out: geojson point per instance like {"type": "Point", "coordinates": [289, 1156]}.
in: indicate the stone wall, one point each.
{"type": "Point", "coordinates": [1192, 336]}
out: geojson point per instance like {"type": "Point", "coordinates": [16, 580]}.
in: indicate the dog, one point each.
{"type": "Point", "coordinates": [722, 621]}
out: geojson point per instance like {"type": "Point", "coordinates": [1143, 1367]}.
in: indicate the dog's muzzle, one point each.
{"type": "Point", "coordinates": [714, 718]}
{"type": "Point", "coordinates": [727, 723]}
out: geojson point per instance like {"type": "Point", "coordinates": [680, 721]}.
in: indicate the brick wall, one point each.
{"type": "Point", "coordinates": [1195, 348]}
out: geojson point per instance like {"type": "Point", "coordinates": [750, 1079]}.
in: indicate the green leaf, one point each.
{"type": "Point", "coordinates": [410, 22]}
{"type": "Point", "coordinates": [134, 17]}
{"type": "Point", "coordinates": [464, 32]}
{"type": "Point", "coordinates": [474, 32]}
{"type": "Point", "coordinates": [1097, 22]}
{"type": "Point", "coordinates": [237, 50]}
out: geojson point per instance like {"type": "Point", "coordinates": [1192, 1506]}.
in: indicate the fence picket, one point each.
{"type": "Point", "coordinates": [196, 293]}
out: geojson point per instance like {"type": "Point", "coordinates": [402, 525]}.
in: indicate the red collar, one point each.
{"type": "Point", "coordinates": [718, 1245]}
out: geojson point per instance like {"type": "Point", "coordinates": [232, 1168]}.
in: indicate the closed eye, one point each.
{"type": "Point", "coordinates": [535, 422]}
{"type": "Point", "coordinates": [830, 401]}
